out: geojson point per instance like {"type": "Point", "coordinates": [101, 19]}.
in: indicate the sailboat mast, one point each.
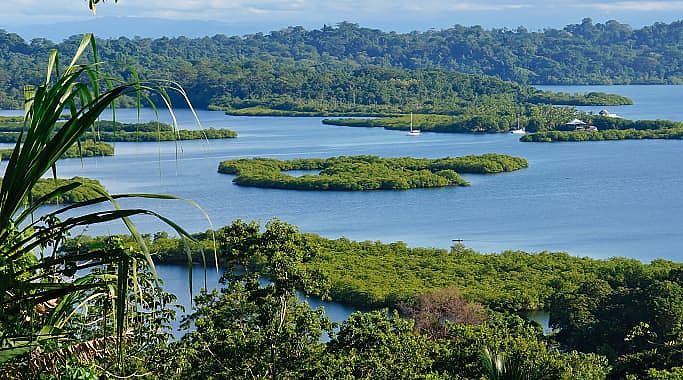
{"type": "Point", "coordinates": [411, 121]}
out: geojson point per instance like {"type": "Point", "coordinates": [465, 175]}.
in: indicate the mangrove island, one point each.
{"type": "Point", "coordinates": [357, 173]}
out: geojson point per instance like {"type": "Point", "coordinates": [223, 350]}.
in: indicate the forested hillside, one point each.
{"type": "Point", "coordinates": [356, 65]}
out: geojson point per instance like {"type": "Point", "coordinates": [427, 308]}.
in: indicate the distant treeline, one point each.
{"type": "Point", "coordinates": [454, 94]}
{"type": "Point", "coordinates": [584, 53]}
{"type": "Point", "coordinates": [347, 67]}
{"type": "Point", "coordinates": [349, 173]}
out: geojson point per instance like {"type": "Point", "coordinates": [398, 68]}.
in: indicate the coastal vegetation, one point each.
{"type": "Point", "coordinates": [109, 131]}
{"type": "Point", "coordinates": [264, 329]}
{"type": "Point", "coordinates": [374, 275]}
{"type": "Point", "coordinates": [381, 91]}
{"type": "Point", "coordinates": [153, 131]}
{"type": "Point", "coordinates": [353, 173]}
{"type": "Point", "coordinates": [616, 318]}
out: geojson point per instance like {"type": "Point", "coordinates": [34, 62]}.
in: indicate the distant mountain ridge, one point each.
{"type": "Point", "coordinates": [584, 53]}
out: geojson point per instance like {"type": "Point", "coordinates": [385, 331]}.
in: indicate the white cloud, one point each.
{"type": "Point", "coordinates": [440, 6]}
{"type": "Point", "coordinates": [403, 14]}
{"type": "Point", "coordinates": [12, 11]}
{"type": "Point", "coordinates": [640, 6]}
{"type": "Point", "coordinates": [234, 9]}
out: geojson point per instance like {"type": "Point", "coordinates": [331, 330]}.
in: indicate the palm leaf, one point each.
{"type": "Point", "coordinates": [81, 90]}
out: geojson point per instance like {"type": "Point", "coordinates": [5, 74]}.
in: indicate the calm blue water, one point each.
{"type": "Point", "coordinates": [597, 199]}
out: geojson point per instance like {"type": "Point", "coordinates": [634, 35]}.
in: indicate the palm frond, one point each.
{"type": "Point", "coordinates": [28, 277]}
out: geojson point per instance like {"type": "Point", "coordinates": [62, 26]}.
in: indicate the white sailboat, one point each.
{"type": "Point", "coordinates": [413, 132]}
{"type": "Point", "coordinates": [518, 131]}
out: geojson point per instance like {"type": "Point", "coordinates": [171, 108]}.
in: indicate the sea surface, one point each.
{"type": "Point", "coordinates": [598, 199]}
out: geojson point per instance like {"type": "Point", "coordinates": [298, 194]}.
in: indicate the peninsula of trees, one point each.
{"type": "Point", "coordinates": [153, 131]}
{"type": "Point", "coordinates": [609, 134]}
{"type": "Point", "coordinates": [109, 131]}
{"type": "Point", "coordinates": [354, 173]}
{"type": "Point", "coordinates": [86, 149]}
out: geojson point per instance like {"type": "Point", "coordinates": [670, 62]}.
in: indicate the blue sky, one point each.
{"type": "Point", "coordinates": [242, 16]}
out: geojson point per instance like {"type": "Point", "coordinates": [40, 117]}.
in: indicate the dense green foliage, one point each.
{"type": "Point", "coordinates": [146, 341]}
{"type": "Point", "coordinates": [663, 374]}
{"type": "Point", "coordinates": [634, 318]}
{"type": "Point", "coordinates": [213, 67]}
{"type": "Point", "coordinates": [86, 149]}
{"type": "Point", "coordinates": [153, 131]}
{"type": "Point", "coordinates": [375, 274]}
{"type": "Point", "coordinates": [619, 309]}
{"type": "Point", "coordinates": [366, 172]}
{"type": "Point", "coordinates": [549, 122]}
{"type": "Point", "coordinates": [129, 132]}
{"type": "Point", "coordinates": [255, 330]}
{"type": "Point", "coordinates": [96, 310]}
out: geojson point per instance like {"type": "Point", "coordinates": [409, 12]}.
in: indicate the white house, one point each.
{"type": "Point", "coordinates": [606, 113]}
